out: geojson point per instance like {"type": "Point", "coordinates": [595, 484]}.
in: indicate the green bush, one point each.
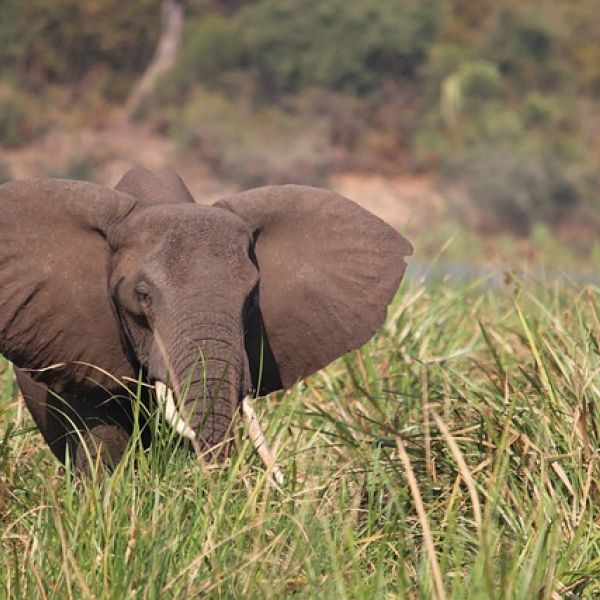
{"type": "Point", "coordinates": [464, 90]}
{"type": "Point", "coordinates": [254, 147]}
{"type": "Point", "coordinates": [5, 172]}
{"type": "Point", "coordinates": [515, 149]}
{"type": "Point", "coordinates": [526, 42]}
{"type": "Point", "coordinates": [518, 175]}
{"type": "Point", "coordinates": [79, 168]}
{"type": "Point", "coordinates": [63, 40]}
{"type": "Point", "coordinates": [295, 44]}
{"type": "Point", "coordinates": [212, 48]}
{"type": "Point", "coordinates": [514, 187]}
{"type": "Point", "coordinates": [444, 59]}
{"type": "Point", "coordinates": [582, 46]}
{"type": "Point", "coordinates": [18, 118]}
{"type": "Point", "coordinates": [540, 111]}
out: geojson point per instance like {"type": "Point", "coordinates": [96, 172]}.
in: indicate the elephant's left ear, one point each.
{"type": "Point", "coordinates": [151, 188]}
{"type": "Point", "coordinates": [328, 270]}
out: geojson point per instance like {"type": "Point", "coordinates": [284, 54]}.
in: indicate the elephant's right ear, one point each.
{"type": "Point", "coordinates": [54, 259]}
{"type": "Point", "coordinates": [154, 188]}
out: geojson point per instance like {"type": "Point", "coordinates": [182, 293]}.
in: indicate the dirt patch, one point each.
{"type": "Point", "coordinates": [111, 150]}
{"type": "Point", "coordinates": [404, 202]}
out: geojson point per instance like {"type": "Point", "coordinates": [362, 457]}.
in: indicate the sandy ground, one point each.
{"type": "Point", "coordinates": [116, 148]}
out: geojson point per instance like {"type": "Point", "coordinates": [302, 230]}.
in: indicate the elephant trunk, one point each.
{"type": "Point", "coordinates": [207, 377]}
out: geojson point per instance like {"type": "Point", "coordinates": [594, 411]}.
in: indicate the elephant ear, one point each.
{"type": "Point", "coordinates": [54, 306]}
{"type": "Point", "coordinates": [154, 188]}
{"type": "Point", "coordinates": [328, 269]}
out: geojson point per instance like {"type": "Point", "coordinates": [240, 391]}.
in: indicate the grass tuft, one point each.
{"type": "Point", "coordinates": [455, 456]}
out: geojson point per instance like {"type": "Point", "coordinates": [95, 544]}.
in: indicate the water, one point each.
{"type": "Point", "coordinates": [460, 273]}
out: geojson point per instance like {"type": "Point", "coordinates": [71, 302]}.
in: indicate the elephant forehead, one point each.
{"type": "Point", "coordinates": [171, 243]}
{"type": "Point", "coordinates": [188, 224]}
{"type": "Point", "coordinates": [177, 230]}
{"type": "Point", "coordinates": [204, 237]}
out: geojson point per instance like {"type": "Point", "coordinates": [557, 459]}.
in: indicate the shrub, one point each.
{"type": "Point", "coordinates": [517, 178]}
{"type": "Point", "coordinates": [526, 43]}
{"type": "Point", "coordinates": [5, 172]}
{"type": "Point", "coordinates": [518, 153]}
{"type": "Point", "coordinates": [583, 45]}
{"type": "Point", "coordinates": [254, 147]}
{"type": "Point", "coordinates": [61, 41]}
{"type": "Point", "coordinates": [18, 122]}
{"type": "Point", "coordinates": [464, 90]}
{"type": "Point", "coordinates": [80, 168]}
{"type": "Point", "coordinates": [212, 47]}
{"type": "Point", "coordinates": [338, 45]}
{"type": "Point", "coordinates": [294, 45]}
{"type": "Point", "coordinates": [540, 111]}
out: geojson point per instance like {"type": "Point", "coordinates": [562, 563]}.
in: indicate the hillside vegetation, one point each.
{"type": "Point", "coordinates": [499, 98]}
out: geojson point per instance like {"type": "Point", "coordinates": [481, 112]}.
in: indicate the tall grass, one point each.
{"type": "Point", "coordinates": [454, 456]}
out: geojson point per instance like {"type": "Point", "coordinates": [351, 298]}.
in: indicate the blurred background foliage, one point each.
{"type": "Point", "coordinates": [499, 98]}
{"type": "Point", "coordinates": [65, 41]}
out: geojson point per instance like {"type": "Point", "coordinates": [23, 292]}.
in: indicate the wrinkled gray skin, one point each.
{"type": "Point", "coordinates": [246, 296]}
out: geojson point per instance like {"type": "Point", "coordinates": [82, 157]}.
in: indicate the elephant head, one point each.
{"type": "Point", "coordinates": [210, 302]}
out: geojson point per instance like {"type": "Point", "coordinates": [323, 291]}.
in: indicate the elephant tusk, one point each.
{"type": "Point", "coordinates": [175, 419]}
{"type": "Point", "coordinates": [258, 439]}
{"type": "Point", "coordinates": [172, 415]}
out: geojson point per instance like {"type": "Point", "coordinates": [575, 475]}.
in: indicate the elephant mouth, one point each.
{"type": "Point", "coordinates": [167, 401]}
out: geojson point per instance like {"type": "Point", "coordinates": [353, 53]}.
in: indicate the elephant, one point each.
{"type": "Point", "coordinates": [207, 304]}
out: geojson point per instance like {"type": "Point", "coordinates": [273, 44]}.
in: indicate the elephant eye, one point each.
{"type": "Point", "coordinates": [143, 297]}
